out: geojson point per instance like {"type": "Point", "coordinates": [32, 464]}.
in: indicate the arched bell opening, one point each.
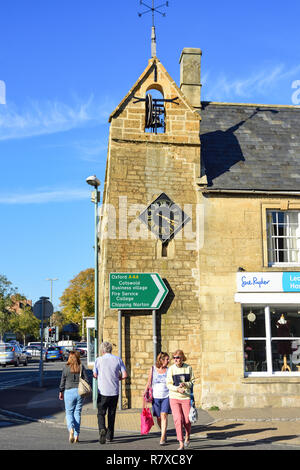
{"type": "Point", "coordinates": [155, 87]}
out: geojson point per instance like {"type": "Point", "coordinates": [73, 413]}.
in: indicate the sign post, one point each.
{"type": "Point", "coordinates": [120, 355]}
{"type": "Point", "coordinates": [136, 291]}
{"type": "Point", "coordinates": [154, 335]}
{"type": "Point", "coordinates": [42, 309]}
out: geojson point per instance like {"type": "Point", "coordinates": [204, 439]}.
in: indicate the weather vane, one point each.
{"type": "Point", "coordinates": [154, 10]}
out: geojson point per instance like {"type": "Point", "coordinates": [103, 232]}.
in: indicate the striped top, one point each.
{"type": "Point", "coordinates": [175, 376]}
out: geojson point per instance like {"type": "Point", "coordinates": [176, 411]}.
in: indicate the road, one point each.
{"type": "Point", "coordinates": [11, 376]}
{"type": "Point", "coordinates": [17, 433]}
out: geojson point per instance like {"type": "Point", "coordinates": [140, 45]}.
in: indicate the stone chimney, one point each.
{"type": "Point", "coordinates": [190, 85]}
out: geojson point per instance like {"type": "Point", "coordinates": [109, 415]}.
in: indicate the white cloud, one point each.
{"type": "Point", "coordinates": [261, 83]}
{"type": "Point", "coordinates": [91, 150]}
{"type": "Point", "coordinates": [86, 150]}
{"type": "Point", "coordinates": [43, 196]}
{"type": "Point", "coordinates": [48, 117]}
{"type": "Point", "coordinates": [2, 92]}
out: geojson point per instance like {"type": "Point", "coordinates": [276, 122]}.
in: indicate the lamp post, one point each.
{"type": "Point", "coordinates": [51, 288]}
{"type": "Point", "coordinates": [93, 181]}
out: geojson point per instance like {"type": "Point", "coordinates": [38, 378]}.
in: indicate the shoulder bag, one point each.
{"type": "Point", "coordinates": [84, 388]}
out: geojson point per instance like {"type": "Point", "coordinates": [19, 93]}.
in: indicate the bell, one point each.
{"type": "Point", "coordinates": [155, 121]}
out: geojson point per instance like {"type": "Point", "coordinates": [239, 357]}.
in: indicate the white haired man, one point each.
{"type": "Point", "coordinates": [109, 370]}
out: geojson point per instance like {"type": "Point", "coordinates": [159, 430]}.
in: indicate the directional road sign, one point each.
{"type": "Point", "coordinates": [136, 291]}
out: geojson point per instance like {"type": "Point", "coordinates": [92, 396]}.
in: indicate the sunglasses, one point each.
{"type": "Point", "coordinates": [176, 357]}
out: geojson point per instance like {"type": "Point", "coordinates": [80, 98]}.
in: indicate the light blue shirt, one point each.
{"type": "Point", "coordinates": [108, 369]}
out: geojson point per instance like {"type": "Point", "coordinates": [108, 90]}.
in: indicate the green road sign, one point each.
{"type": "Point", "coordinates": [136, 291]}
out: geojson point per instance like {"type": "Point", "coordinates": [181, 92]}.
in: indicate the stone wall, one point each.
{"type": "Point", "coordinates": [234, 237]}
{"type": "Point", "coordinates": [141, 166]}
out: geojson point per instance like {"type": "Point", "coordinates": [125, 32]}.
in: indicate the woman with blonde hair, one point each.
{"type": "Point", "coordinates": [68, 391]}
{"type": "Point", "coordinates": [161, 404]}
{"type": "Point", "coordinates": [180, 380]}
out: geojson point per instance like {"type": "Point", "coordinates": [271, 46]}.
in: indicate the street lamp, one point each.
{"type": "Point", "coordinates": [51, 285]}
{"type": "Point", "coordinates": [51, 282]}
{"type": "Point", "coordinates": [93, 181]}
{"type": "Point", "coordinates": [51, 288]}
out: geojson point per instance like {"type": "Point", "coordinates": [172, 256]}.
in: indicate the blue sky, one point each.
{"type": "Point", "coordinates": [66, 65]}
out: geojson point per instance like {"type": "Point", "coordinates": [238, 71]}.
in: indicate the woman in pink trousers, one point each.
{"type": "Point", "coordinates": [180, 379]}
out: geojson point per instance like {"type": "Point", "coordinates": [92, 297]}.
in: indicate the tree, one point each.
{"type": "Point", "coordinates": [58, 319]}
{"type": "Point", "coordinates": [79, 298]}
{"type": "Point", "coordinates": [6, 292]}
{"type": "Point", "coordinates": [24, 323]}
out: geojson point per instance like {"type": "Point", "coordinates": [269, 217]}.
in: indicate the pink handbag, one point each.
{"type": "Point", "coordinates": [146, 421]}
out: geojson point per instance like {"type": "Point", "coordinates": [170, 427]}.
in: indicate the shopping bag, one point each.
{"type": "Point", "coordinates": [193, 414]}
{"type": "Point", "coordinates": [146, 420]}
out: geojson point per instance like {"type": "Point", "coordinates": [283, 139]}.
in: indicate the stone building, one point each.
{"type": "Point", "coordinates": [218, 183]}
{"type": "Point", "coordinates": [19, 304]}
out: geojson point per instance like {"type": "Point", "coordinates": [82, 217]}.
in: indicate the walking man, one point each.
{"type": "Point", "coordinates": [109, 370]}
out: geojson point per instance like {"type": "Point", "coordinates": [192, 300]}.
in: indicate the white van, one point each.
{"type": "Point", "coordinates": [68, 344]}
{"type": "Point", "coordinates": [37, 343]}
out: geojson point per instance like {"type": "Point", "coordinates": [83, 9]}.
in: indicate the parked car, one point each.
{"type": "Point", "coordinates": [64, 353]}
{"type": "Point", "coordinates": [28, 354]}
{"type": "Point", "coordinates": [14, 341]}
{"type": "Point", "coordinates": [53, 353]}
{"type": "Point", "coordinates": [35, 351]}
{"type": "Point", "coordinates": [12, 354]}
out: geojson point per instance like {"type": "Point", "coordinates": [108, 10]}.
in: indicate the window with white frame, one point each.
{"type": "Point", "coordinates": [283, 232]}
{"type": "Point", "coordinates": [271, 336]}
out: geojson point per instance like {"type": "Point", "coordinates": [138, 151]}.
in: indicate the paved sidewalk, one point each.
{"type": "Point", "coordinates": [277, 425]}
{"type": "Point", "coordinates": [281, 426]}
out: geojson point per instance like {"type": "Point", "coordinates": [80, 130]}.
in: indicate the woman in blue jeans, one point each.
{"type": "Point", "coordinates": [68, 391]}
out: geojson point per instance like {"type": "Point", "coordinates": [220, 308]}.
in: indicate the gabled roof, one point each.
{"type": "Point", "coordinates": [149, 69]}
{"type": "Point", "coordinates": [250, 147]}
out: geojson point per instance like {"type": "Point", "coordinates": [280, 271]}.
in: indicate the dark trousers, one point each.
{"type": "Point", "coordinates": [109, 405]}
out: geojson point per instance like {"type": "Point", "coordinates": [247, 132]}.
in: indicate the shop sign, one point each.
{"type": "Point", "coordinates": [268, 282]}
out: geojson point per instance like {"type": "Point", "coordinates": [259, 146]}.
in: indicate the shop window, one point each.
{"type": "Point", "coordinates": [271, 340]}
{"type": "Point", "coordinates": [283, 232]}
{"type": "Point", "coordinates": [91, 345]}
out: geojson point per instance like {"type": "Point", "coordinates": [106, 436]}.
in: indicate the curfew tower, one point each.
{"type": "Point", "coordinates": [151, 219]}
